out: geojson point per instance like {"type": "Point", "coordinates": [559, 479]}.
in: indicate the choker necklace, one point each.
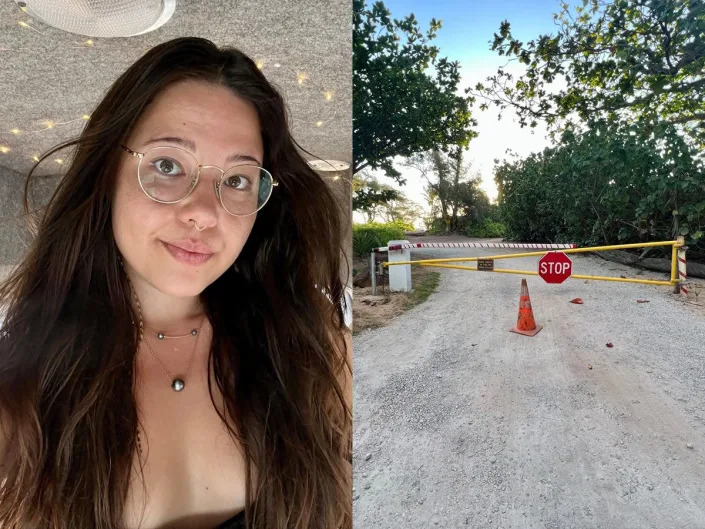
{"type": "Point", "coordinates": [161, 335]}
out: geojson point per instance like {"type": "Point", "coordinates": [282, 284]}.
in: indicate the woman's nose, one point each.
{"type": "Point", "coordinates": [203, 203]}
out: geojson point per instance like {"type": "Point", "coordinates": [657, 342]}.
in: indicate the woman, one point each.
{"type": "Point", "coordinates": [174, 350]}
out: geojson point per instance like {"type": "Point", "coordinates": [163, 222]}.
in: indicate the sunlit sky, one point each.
{"type": "Point", "coordinates": [466, 35]}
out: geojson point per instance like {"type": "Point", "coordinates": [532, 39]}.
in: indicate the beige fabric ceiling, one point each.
{"type": "Point", "coordinates": [47, 75]}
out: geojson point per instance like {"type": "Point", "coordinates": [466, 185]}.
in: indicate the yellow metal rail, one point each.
{"type": "Point", "coordinates": [442, 263]}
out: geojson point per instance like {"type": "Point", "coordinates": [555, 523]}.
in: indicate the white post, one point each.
{"type": "Point", "coordinates": [399, 275]}
{"type": "Point", "coordinates": [373, 272]}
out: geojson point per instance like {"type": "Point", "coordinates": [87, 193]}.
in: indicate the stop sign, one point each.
{"type": "Point", "coordinates": [555, 267]}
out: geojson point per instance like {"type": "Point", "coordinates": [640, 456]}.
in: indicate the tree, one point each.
{"type": "Point", "coordinates": [400, 106]}
{"type": "Point", "coordinates": [625, 60]}
{"type": "Point", "coordinates": [449, 181]}
{"type": "Point", "coordinates": [370, 195]}
{"type": "Point", "coordinates": [401, 209]}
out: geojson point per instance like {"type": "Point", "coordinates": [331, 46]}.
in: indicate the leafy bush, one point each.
{"type": "Point", "coordinates": [375, 234]}
{"type": "Point", "coordinates": [436, 227]}
{"type": "Point", "coordinates": [607, 185]}
{"type": "Point", "coordinates": [487, 228]}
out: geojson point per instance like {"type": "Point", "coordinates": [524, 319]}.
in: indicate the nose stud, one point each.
{"type": "Point", "coordinates": [197, 226]}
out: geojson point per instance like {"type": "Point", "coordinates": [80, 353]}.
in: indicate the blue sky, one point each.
{"type": "Point", "coordinates": [469, 26]}
{"type": "Point", "coordinates": [466, 35]}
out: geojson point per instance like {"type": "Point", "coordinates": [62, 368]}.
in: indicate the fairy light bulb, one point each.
{"type": "Point", "coordinates": [4, 149]}
{"type": "Point", "coordinates": [15, 131]}
{"type": "Point", "coordinates": [86, 117]}
{"type": "Point", "coordinates": [89, 43]}
{"type": "Point", "coordinates": [23, 24]}
{"type": "Point", "coordinates": [328, 95]}
{"type": "Point", "coordinates": [49, 124]}
{"type": "Point", "coordinates": [301, 77]}
{"type": "Point", "coordinates": [260, 64]}
{"type": "Point", "coordinates": [59, 161]}
{"type": "Point", "coordinates": [35, 158]}
{"type": "Point", "coordinates": [319, 123]}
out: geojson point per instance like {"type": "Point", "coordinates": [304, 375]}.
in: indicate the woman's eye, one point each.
{"type": "Point", "coordinates": [167, 166]}
{"type": "Point", "coordinates": [237, 182]}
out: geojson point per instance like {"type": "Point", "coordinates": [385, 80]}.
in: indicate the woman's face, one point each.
{"type": "Point", "coordinates": [213, 124]}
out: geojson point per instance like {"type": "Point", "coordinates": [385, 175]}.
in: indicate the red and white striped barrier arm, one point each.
{"type": "Point", "coordinates": [525, 246]}
{"type": "Point", "coordinates": [681, 271]}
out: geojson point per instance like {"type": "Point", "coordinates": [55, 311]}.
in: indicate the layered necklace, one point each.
{"type": "Point", "coordinates": [178, 383]}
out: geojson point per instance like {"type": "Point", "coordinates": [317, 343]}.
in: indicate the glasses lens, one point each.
{"type": "Point", "coordinates": [167, 174]}
{"type": "Point", "coordinates": [245, 189]}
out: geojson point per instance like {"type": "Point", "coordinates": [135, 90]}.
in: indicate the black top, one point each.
{"type": "Point", "coordinates": [236, 522]}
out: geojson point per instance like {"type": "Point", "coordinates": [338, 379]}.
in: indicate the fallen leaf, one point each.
{"type": "Point", "coordinates": [610, 344]}
{"type": "Point", "coordinates": [577, 301]}
{"type": "Point", "coordinates": [642, 301]}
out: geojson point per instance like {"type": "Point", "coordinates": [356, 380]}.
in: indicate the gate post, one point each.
{"type": "Point", "coordinates": [400, 275]}
{"type": "Point", "coordinates": [682, 274]}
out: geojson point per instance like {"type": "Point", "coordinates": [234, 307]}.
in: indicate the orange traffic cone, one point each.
{"type": "Point", "coordinates": [526, 324]}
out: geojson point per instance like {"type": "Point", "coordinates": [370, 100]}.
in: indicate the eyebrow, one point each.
{"type": "Point", "coordinates": [191, 146]}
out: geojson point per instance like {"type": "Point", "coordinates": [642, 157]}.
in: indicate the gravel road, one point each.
{"type": "Point", "coordinates": [460, 423]}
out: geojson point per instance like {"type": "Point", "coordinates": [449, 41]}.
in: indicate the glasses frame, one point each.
{"type": "Point", "coordinates": [194, 183]}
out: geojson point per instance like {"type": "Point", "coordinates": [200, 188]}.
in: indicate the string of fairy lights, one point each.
{"type": "Point", "coordinates": [6, 136]}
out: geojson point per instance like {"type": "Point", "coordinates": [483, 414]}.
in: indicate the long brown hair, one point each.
{"type": "Point", "coordinates": [68, 345]}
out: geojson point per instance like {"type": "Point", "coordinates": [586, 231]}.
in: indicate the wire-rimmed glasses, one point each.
{"type": "Point", "coordinates": [170, 174]}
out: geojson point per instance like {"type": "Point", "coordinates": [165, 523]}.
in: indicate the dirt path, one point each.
{"type": "Point", "coordinates": [459, 423]}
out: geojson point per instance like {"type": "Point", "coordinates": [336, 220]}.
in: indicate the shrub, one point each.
{"type": "Point", "coordinates": [487, 228]}
{"type": "Point", "coordinates": [375, 234]}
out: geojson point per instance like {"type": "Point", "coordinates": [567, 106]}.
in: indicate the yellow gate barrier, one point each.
{"type": "Point", "coordinates": [675, 258]}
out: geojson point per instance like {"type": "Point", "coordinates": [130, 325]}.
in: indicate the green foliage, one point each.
{"type": "Point", "coordinates": [402, 210]}
{"type": "Point", "coordinates": [487, 228]}
{"type": "Point", "coordinates": [375, 234]}
{"type": "Point", "coordinates": [453, 192]}
{"type": "Point", "coordinates": [436, 226]}
{"type": "Point", "coordinates": [369, 194]}
{"type": "Point", "coordinates": [399, 107]}
{"type": "Point", "coordinates": [623, 60]}
{"type": "Point", "coordinates": [381, 201]}
{"type": "Point", "coordinates": [607, 185]}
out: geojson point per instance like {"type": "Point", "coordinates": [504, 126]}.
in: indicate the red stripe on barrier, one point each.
{"type": "Point", "coordinates": [684, 290]}
{"type": "Point", "coordinates": [681, 260]}
{"type": "Point", "coordinates": [683, 275]}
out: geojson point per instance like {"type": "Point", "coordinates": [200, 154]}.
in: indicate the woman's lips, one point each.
{"type": "Point", "coordinates": [193, 258]}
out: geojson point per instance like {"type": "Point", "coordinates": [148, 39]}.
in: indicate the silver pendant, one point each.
{"type": "Point", "coordinates": [177, 384]}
